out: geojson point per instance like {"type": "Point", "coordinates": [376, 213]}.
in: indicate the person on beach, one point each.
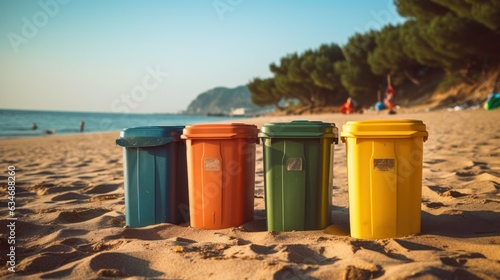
{"type": "Point", "coordinates": [34, 126]}
{"type": "Point", "coordinates": [389, 96]}
{"type": "Point", "coordinates": [349, 107]}
{"type": "Point", "coordinates": [47, 131]}
{"type": "Point", "coordinates": [82, 126]}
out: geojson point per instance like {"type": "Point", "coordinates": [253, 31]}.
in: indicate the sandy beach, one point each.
{"type": "Point", "coordinates": [70, 211]}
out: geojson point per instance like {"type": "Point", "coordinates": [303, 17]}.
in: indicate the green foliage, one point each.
{"type": "Point", "coordinates": [458, 37]}
{"type": "Point", "coordinates": [462, 39]}
{"type": "Point", "coordinates": [309, 77]}
{"type": "Point", "coordinates": [421, 10]}
{"type": "Point", "coordinates": [356, 74]}
{"type": "Point", "coordinates": [264, 92]}
{"type": "Point", "coordinates": [389, 56]}
{"type": "Point", "coordinates": [291, 79]}
{"type": "Point", "coordinates": [485, 12]}
{"type": "Point", "coordinates": [449, 81]}
{"type": "Point", "coordinates": [324, 74]}
{"type": "Point", "coordinates": [416, 47]}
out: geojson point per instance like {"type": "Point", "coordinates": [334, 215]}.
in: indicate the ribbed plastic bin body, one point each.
{"type": "Point", "coordinates": [384, 170]}
{"type": "Point", "coordinates": [298, 164]}
{"type": "Point", "coordinates": [155, 174]}
{"type": "Point", "coordinates": [221, 174]}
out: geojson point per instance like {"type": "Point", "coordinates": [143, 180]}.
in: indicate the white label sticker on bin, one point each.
{"type": "Point", "coordinates": [294, 164]}
{"type": "Point", "coordinates": [383, 164]}
{"type": "Point", "coordinates": [212, 164]}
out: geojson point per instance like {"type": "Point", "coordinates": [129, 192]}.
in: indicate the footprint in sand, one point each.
{"type": "Point", "coordinates": [262, 250]}
{"type": "Point", "coordinates": [353, 272]}
{"type": "Point", "coordinates": [48, 188]}
{"type": "Point", "coordinates": [84, 245]}
{"type": "Point", "coordinates": [41, 188]}
{"type": "Point", "coordinates": [107, 246]}
{"type": "Point", "coordinates": [103, 188]}
{"type": "Point", "coordinates": [438, 189]}
{"type": "Point", "coordinates": [460, 259]}
{"type": "Point", "coordinates": [61, 189]}
{"type": "Point", "coordinates": [379, 247]}
{"type": "Point", "coordinates": [69, 196]}
{"type": "Point", "coordinates": [78, 216]}
{"type": "Point", "coordinates": [294, 272]}
{"type": "Point", "coordinates": [453, 193]}
{"type": "Point", "coordinates": [303, 254]}
{"type": "Point", "coordinates": [82, 164]}
{"type": "Point", "coordinates": [434, 205]}
{"type": "Point", "coordinates": [446, 191]}
{"type": "Point", "coordinates": [110, 264]}
{"type": "Point", "coordinates": [477, 168]}
{"type": "Point", "coordinates": [54, 177]}
{"type": "Point", "coordinates": [44, 261]}
{"type": "Point", "coordinates": [45, 172]}
{"type": "Point", "coordinates": [405, 245]}
{"type": "Point", "coordinates": [73, 241]}
{"type": "Point", "coordinates": [435, 161]}
{"type": "Point", "coordinates": [58, 248]}
{"type": "Point", "coordinates": [209, 250]}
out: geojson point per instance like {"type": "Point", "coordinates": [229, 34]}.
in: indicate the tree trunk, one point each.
{"type": "Point", "coordinates": [411, 78]}
{"type": "Point", "coordinates": [465, 74]}
{"type": "Point", "coordinates": [313, 98]}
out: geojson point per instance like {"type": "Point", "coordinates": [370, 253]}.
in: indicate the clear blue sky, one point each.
{"type": "Point", "coordinates": [157, 56]}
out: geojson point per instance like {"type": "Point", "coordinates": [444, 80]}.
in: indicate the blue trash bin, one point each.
{"type": "Point", "coordinates": [155, 173]}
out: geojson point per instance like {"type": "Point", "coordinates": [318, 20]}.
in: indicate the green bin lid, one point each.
{"type": "Point", "coordinates": [299, 129]}
{"type": "Point", "coordinates": [384, 129]}
{"type": "Point", "coordinates": [149, 136]}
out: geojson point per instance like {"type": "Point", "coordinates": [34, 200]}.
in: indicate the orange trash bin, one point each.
{"type": "Point", "coordinates": [221, 174]}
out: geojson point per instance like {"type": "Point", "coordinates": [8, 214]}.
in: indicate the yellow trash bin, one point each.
{"type": "Point", "coordinates": [384, 173]}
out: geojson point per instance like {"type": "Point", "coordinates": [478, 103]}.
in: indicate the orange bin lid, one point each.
{"type": "Point", "coordinates": [220, 131]}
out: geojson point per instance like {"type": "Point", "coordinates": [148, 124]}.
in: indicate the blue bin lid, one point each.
{"type": "Point", "coordinates": [149, 136]}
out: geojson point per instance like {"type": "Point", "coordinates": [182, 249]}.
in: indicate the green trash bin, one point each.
{"type": "Point", "coordinates": [155, 173]}
{"type": "Point", "coordinates": [298, 164]}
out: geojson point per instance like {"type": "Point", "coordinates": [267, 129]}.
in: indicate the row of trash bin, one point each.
{"type": "Point", "coordinates": [205, 173]}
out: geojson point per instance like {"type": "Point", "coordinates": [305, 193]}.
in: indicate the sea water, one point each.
{"type": "Point", "coordinates": [19, 123]}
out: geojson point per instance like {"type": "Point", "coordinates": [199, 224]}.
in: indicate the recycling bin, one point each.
{"type": "Point", "coordinates": [155, 173]}
{"type": "Point", "coordinates": [221, 174]}
{"type": "Point", "coordinates": [384, 172]}
{"type": "Point", "coordinates": [298, 164]}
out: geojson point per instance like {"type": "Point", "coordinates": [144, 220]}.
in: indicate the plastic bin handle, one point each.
{"type": "Point", "coordinates": [139, 142]}
{"type": "Point", "coordinates": [335, 132]}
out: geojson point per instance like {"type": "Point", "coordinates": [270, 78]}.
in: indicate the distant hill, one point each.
{"type": "Point", "coordinates": [222, 100]}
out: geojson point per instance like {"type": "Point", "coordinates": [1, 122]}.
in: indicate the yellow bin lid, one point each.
{"type": "Point", "coordinates": [384, 129]}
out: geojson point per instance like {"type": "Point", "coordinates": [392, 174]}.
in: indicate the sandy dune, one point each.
{"type": "Point", "coordinates": [70, 216]}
